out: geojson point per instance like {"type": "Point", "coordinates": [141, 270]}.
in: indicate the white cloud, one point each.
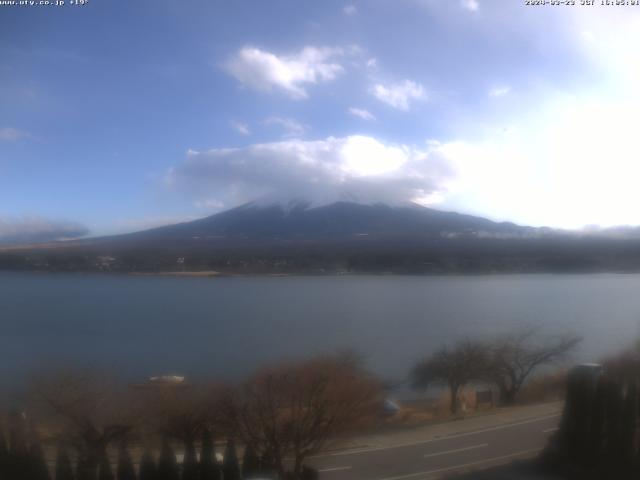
{"type": "Point", "coordinates": [607, 41]}
{"type": "Point", "coordinates": [241, 128]}
{"type": "Point", "coordinates": [356, 167]}
{"type": "Point", "coordinates": [399, 95]}
{"type": "Point", "coordinates": [350, 10]}
{"type": "Point", "coordinates": [209, 204]}
{"type": "Point", "coordinates": [291, 127]}
{"type": "Point", "coordinates": [471, 5]}
{"type": "Point", "coordinates": [33, 229]}
{"type": "Point", "coordinates": [361, 113]}
{"type": "Point", "coordinates": [499, 91]}
{"type": "Point", "coordinates": [266, 71]}
{"type": "Point", "coordinates": [372, 62]}
{"type": "Point", "coordinates": [570, 163]}
{"type": "Point", "coordinates": [11, 134]}
{"type": "Point", "coordinates": [560, 159]}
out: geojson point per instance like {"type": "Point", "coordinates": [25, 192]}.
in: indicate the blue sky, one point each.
{"type": "Point", "coordinates": [121, 115]}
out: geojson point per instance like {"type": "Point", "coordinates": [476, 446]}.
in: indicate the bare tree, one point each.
{"type": "Point", "coordinates": [513, 358]}
{"type": "Point", "coordinates": [293, 411]}
{"type": "Point", "coordinates": [452, 366]}
{"type": "Point", "coordinates": [87, 407]}
{"type": "Point", "coordinates": [182, 411]}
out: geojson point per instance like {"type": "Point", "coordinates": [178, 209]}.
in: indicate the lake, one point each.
{"type": "Point", "coordinates": [226, 327]}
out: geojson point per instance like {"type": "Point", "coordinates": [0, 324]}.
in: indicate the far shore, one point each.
{"type": "Point", "coordinates": [203, 273]}
{"type": "Point", "coordinates": [340, 273]}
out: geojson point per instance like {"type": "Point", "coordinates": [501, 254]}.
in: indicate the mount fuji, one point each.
{"type": "Point", "coordinates": [300, 236]}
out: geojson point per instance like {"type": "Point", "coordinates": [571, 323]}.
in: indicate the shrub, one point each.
{"type": "Point", "coordinates": [38, 469]}
{"type": "Point", "coordinates": [63, 470]}
{"type": "Point", "coordinates": [104, 469]}
{"type": "Point", "coordinates": [629, 424]}
{"type": "Point", "coordinates": [4, 455]}
{"type": "Point", "coordinates": [209, 468]}
{"type": "Point", "coordinates": [148, 468]}
{"type": "Point", "coordinates": [125, 465]}
{"type": "Point", "coordinates": [190, 469]}
{"type": "Point", "coordinates": [230, 466]}
{"type": "Point", "coordinates": [167, 463]}
{"type": "Point", "coordinates": [309, 473]}
{"type": "Point", "coordinates": [250, 462]}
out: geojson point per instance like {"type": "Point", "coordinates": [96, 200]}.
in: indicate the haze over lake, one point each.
{"type": "Point", "coordinates": [228, 326]}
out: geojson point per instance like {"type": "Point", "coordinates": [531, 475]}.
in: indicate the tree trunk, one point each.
{"type": "Point", "coordinates": [507, 395]}
{"type": "Point", "coordinates": [87, 468]}
{"type": "Point", "coordinates": [297, 468]}
{"type": "Point", "coordinates": [453, 405]}
{"type": "Point", "coordinates": [282, 473]}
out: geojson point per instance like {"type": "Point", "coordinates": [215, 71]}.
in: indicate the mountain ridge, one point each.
{"type": "Point", "coordinates": [335, 238]}
{"type": "Point", "coordinates": [341, 219]}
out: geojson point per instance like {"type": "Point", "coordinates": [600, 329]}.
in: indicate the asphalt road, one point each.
{"type": "Point", "coordinates": [434, 458]}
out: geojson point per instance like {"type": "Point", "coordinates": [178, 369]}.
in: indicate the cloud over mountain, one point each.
{"type": "Point", "coordinates": [38, 229]}
{"type": "Point", "coordinates": [355, 167]}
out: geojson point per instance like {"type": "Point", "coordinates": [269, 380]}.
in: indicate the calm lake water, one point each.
{"type": "Point", "coordinates": [228, 326]}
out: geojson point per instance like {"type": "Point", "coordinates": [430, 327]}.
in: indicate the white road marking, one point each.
{"type": "Point", "coordinates": [429, 455]}
{"type": "Point", "coordinates": [334, 469]}
{"type": "Point", "coordinates": [439, 439]}
{"type": "Point", "coordinates": [549, 430]}
{"type": "Point", "coordinates": [464, 465]}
